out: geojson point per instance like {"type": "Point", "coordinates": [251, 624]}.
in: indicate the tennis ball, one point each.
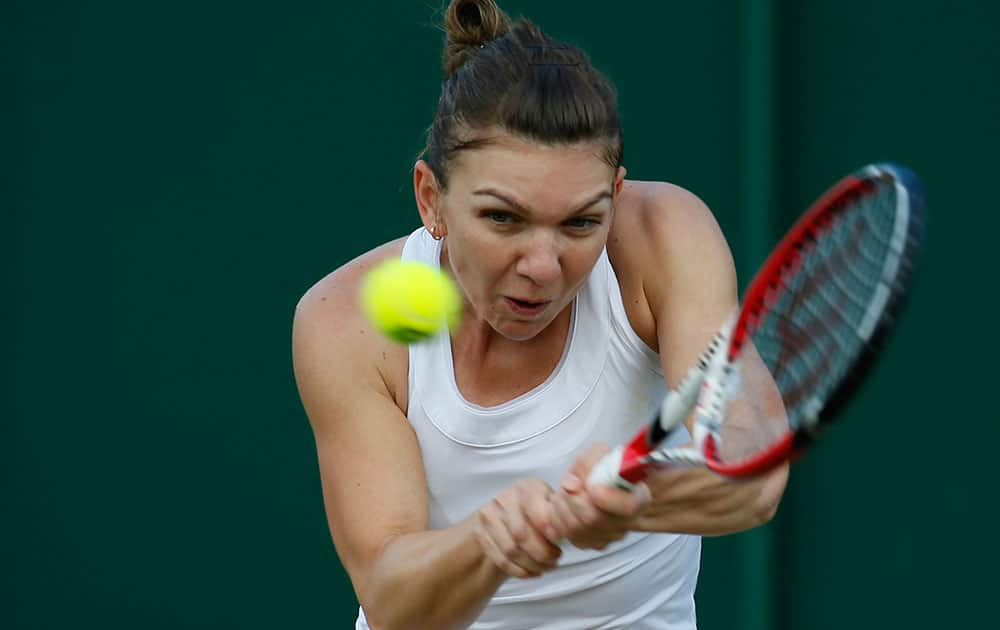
{"type": "Point", "coordinates": [410, 301]}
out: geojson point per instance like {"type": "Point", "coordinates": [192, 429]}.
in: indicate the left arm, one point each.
{"type": "Point", "coordinates": [679, 500]}
{"type": "Point", "coordinates": [697, 501]}
{"type": "Point", "coordinates": [675, 261]}
{"type": "Point", "coordinates": [689, 303]}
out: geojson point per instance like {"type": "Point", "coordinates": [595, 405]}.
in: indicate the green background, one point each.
{"type": "Point", "coordinates": [176, 175]}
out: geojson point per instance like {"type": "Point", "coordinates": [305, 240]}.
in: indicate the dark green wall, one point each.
{"type": "Point", "coordinates": [176, 175]}
{"type": "Point", "coordinates": [892, 517]}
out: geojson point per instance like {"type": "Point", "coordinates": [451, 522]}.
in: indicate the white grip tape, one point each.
{"type": "Point", "coordinates": [678, 403]}
{"type": "Point", "coordinates": [605, 472]}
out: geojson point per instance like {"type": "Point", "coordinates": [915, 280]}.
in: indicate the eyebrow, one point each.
{"type": "Point", "coordinates": [492, 192]}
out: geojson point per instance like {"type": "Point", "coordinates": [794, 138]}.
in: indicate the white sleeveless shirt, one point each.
{"type": "Point", "coordinates": [607, 384]}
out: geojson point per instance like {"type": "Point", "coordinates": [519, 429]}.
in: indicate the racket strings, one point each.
{"type": "Point", "coordinates": [843, 296]}
{"type": "Point", "coordinates": [810, 324]}
{"type": "Point", "coordinates": [808, 337]}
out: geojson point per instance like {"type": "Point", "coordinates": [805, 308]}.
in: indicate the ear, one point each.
{"type": "Point", "coordinates": [619, 180]}
{"type": "Point", "coordinates": [427, 193]}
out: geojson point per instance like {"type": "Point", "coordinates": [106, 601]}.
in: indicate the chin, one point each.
{"type": "Point", "coordinates": [519, 331]}
{"type": "Point", "coordinates": [519, 335]}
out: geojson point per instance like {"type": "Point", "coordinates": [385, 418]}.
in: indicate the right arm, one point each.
{"type": "Point", "coordinates": [374, 488]}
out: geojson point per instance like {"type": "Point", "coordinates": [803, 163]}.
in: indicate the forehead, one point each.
{"type": "Point", "coordinates": [531, 169]}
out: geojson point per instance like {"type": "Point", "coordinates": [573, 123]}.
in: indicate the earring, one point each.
{"type": "Point", "coordinates": [434, 234]}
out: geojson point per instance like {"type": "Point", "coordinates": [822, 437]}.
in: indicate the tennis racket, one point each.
{"type": "Point", "coordinates": [811, 324]}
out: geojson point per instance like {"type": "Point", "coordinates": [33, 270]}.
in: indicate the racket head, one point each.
{"type": "Point", "coordinates": [815, 317]}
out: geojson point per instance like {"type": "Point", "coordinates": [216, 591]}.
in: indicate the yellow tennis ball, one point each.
{"type": "Point", "coordinates": [410, 301]}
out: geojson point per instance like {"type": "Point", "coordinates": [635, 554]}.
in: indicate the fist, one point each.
{"type": "Point", "coordinates": [515, 530]}
{"type": "Point", "coordinates": [593, 516]}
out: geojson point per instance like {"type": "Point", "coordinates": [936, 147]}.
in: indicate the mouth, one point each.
{"type": "Point", "coordinates": [527, 307]}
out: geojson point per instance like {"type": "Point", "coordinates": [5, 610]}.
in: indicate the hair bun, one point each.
{"type": "Point", "coordinates": [469, 24]}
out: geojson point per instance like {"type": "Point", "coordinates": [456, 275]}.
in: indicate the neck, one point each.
{"type": "Point", "coordinates": [491, 369]}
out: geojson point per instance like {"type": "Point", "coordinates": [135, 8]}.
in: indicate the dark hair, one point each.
{"type": "Point", "coordinates": [515, 77]}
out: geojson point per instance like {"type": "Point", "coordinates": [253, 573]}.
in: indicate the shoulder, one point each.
{"type": "Point", "coordinates": [331, 335]}
{"type": "Point", "coordinates": [670, 256]}
{"type": "Point", "coordinates": [352, 384]}
{"type": "Point", "coordinates": [665, 221]}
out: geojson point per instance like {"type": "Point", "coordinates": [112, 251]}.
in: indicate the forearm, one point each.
{"type": "Point", "coordinates": [697, 501]}
{"type": "Point", "coordinates": [434, 579]}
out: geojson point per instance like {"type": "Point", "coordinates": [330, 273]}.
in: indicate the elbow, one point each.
{"type": "Point", "coordinates": [384, 612]}
{"type": "Point", "coordinates": [381, 618]}
{"type": "Point", "coordinates": [378, 622]}
{"type": "Point", "coordinates": [765, 507]}
{"type": "Point", "coordinates": [764, 511]}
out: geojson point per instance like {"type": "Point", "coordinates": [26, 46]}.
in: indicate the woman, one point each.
{"type": "Point", "coordinates": [453, 470]}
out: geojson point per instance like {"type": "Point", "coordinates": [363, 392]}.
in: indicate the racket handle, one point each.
{"type": "Point", "coordinates": [679, 402]}
{"type": "Point", "coordinates": [606, 471]}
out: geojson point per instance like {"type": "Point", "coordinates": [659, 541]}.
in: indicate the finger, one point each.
{"type": "Point", "coordinates": [578, 534]}
{"type": "Point", "coordinates": [498, 558]}
{"type": "Point", "coordinates": [572, 482]}
{"type": "Point", "coordinates": [594, 528]}
{"type": "Point", "coordinates": [541, 550]}
{"type": "Point", "coordinates": [505, 534]}
{"type": "Point", "coordinates": [529, 539]}
{"type": "Point", "coordinates": [617, 502]}
{"type": "Point", "coordinates": [586, 460]}
{"type": "Point", "coordinates": [539, 513]}
{"type": "Point", "coordinates": [568, 524]}
{"type": "Point", "coordinates": [557, 518]}
{"type": "Point", "coordinates": [586, 513]}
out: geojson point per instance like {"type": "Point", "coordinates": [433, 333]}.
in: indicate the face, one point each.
{"type": "Point", "coordinates": [524, 223]}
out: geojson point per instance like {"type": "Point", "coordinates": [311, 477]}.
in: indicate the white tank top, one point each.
{"type": "Point", "coordinates": [606, 385]}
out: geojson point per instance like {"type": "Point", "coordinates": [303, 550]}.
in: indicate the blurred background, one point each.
{"type": "Point", "coordinates": [176, 175]}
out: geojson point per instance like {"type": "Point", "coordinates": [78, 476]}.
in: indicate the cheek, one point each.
{"type": "Point", "coordinates": [475, 270]}
{"type": "Point", "coordinates": [578, 263]}
{"type": "Point", "coordinates": [481, 259]}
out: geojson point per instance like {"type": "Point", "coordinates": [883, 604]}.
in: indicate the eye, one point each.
{"type": "Point", "coordinates": [582, 223]}
{"type": "Point", "coordinates": [498, 217]}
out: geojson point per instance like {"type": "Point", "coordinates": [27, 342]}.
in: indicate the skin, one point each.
{"type": "Point", "coordinates": [524, 221]}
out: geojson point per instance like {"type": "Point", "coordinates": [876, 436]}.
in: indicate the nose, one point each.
{"type": "Point", "coordinates": [539, 260]}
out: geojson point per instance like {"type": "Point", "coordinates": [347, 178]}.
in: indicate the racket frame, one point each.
{"type": "Point", "coordinates": [627, 465]}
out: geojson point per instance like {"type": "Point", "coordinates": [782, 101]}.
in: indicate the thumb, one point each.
{"type": "Point", "coordinates": [573, 482]}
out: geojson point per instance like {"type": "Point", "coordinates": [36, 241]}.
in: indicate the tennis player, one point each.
{"type": "Point", "coordinates": [453, 470]}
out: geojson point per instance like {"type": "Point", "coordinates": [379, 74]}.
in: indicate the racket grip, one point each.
{"type": "Point", "coordinates": [606, 471]}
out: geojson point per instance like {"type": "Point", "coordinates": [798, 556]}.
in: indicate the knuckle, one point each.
{"type": "Point", "coordinates": [512, 569]}
{"type": "Point", "coordinates": [589, 542]}
{"type": "Point", "coordinates": [552, 556]}
{"type": "Point", "coordinates": [533, 488]}
{"type": "Point", "coordinates": [591, 518]}
{"type": "Point", "coordinates": [497, 558]}
{"type": "Point", "coordinates": [540, 518]}
{"type": "Point", "coordinates": [481, 533]}
{"type": "Point", "coordinates": [580, 541]}
{"type": "Point", "coordinates": [508, 548]}
{"type": "Point", "coordinates": [519, 533]}
{"type": "Point", "coordinates": [536, 551]}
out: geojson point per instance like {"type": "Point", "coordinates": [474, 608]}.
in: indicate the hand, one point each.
{"type": "Point", "coordinates": [594, 516]}
{"type": "Point", "coordinates": [512, 530]}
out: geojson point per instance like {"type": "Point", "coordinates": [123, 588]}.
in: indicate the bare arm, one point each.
{"type": "Point", "coordinates": [681, 271]}
{"type": "Point", "coordinates": [689, 303]}
{"type": "Point", "coordinates": [374, 489]}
